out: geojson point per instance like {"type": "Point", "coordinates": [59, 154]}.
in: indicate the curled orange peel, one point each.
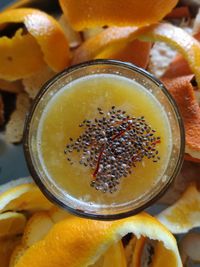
{"type": "Point", "coordinates": [183, 93]}
{"type": "Point", "coordinates": [115, 39]}
{"type": "Point", "coordinates": [178, 39]}
{"type": "Point", "coordinates": [179, 66]}
{"type": "Point", "coordinates": [20, 56]}
{"type": "Point", "coordinates": [80, 242]}
{"type": "Point", "coordinates": [92, 13]}
{"type": "Point", "coordinates": [45, 30]}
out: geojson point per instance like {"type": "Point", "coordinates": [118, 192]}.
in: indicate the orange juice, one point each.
{"type": "Point", "coordinates": [91, 98]}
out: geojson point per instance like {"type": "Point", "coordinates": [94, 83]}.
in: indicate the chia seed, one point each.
{"type": "Point", "coordinates": [112, 145]}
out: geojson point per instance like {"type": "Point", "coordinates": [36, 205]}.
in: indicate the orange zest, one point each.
{"type": "Point", "coordinates": [20, 56]}
{"type": "Point", "coordinates": [92, 13]}
{"type": "Point", "coordinates": [183, 93]}
{"type": "Point", "coordinates": [81, 242]}
{"type": "Point", "coordinates": [45, 30]}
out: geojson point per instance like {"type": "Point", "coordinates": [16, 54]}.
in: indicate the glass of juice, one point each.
{"type": "Point", "coordinates": [104, 139]}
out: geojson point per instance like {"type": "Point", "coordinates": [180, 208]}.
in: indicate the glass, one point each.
{"type": "Point", "coordinates": [53, 190]}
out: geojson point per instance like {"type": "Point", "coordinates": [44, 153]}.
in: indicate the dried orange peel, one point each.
{"type": "Point", "coordinates": [184, 214]}
{"type": "Point", "coordinates": [45, 30]}
{"type": "Point", "coordinates": [92, 13]}
{"type": "Point", "coordinates": [20, 56]}
{"type": "Point", "coordinates": [183, 93]}
{"type": "Point", "coordinates": [81, 242]}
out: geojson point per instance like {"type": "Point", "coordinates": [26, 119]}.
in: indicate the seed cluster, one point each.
{"type": "Point", "coordinates": [112, 145]}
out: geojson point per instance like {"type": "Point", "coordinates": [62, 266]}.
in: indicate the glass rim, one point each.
{"type": "Point", "coordinates": [35, 174]}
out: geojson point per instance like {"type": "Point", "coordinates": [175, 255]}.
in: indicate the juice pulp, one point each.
{"type": "Point", "coordinates": [78, 101]}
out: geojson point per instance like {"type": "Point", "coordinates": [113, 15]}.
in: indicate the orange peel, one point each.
{"type": "Point", "coordinates": [138, 251]}
{"type": "Point", "coordinates": [116, 39]}
{"type": "Point", "coordinates": [190, 158]}
{"type": "Point", "coordinates": [162, 257]}
{"type": "Point", "coordinates": [179, 66]}
{"type": "Point", "coordinates": [183, 93]}
{"type": "Point", "coordinates": [179, 12]}
{"type": "Point", "coordinates": [45, 30]}
{"type": "Point", "coordinates": [178, 39]}
{"type": "Point", "coordinates": [81, 242]}
{"type": "Point", "coordinates": [12, 87]}
{"type": "Point", "coordinates": [20, 56]}
{"type": "Point", "coordinates": [7, 246]}
{"type": "Point", "coordinates": [26, 197]}
{"type": "Point", "coordinates": [184, 214]}
{"type": "Point", "coordinates": [136, 52]}
{"type": "Point", "coordinates": [92, 13]}
{"type": "Point", "coordinates": [111, 39]}
{"type": "Point", "coordinates": [11, 224]}
{"type": "Point", "coordinates": [115, 255]}
{"type": "Point", "coordinates": [151, 251]}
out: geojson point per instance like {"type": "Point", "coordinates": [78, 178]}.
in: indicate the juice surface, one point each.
{"type": "Point", "coordinates": [79, 101]}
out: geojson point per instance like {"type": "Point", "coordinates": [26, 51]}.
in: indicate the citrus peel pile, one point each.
{"type": "Point", "coordinates": [48, 236]}
{"type": "Point", "coordinates": [132, 43]}
{"type": "Point", "coordinates": [30, 226]}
